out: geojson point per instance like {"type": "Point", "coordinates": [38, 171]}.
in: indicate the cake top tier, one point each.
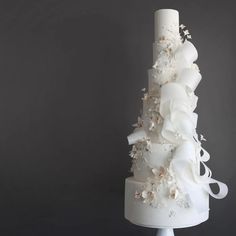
{"type": "Point", "coordinates": [166, 23]}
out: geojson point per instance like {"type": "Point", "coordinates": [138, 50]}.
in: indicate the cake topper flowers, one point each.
{"type": "Point", "coordinates": [184, 33]}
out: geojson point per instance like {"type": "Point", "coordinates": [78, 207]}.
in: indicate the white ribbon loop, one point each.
{"type": "Point", "coordinates": [223, 189]}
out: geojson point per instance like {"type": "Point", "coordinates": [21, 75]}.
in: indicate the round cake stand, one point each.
{"type": "Point", "coordinates": [165, 232]}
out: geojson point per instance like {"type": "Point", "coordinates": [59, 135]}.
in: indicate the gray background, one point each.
{"type": "Point", "coordinates": [70, 78]}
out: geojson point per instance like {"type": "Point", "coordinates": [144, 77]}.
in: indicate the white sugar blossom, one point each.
{"type": "Point", "coordinates": [139, 124]}
{"type": "Point", "coordinates": [145, 97]}
{"type": "Point", "coordinates": [163, 179]}
{"type": "Point", "coordinates": [160, 172]}
{"type": "Point", "coordinates": [186, 32]}
{"type": "Point", "coordinates": [202, 138]}
{"type": "Point", "coordinates": [149, 197]}
{"type": "Point", "coordinates": [151, 125]}
{"type": "Point", "coordinates": [174, 192]}
{"type": "Point", "coordinates": [137, 195]}
{"type": "Point", "coordinates": [195, 67]}
{"type": "Point", "coordinates": [139, 148]}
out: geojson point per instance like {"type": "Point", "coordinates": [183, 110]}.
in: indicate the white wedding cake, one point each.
{"type": "Point", "coordinates": [167, 189]}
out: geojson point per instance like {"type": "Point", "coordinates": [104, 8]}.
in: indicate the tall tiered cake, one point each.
{"type": "Point", "coordinates": [167, 189]}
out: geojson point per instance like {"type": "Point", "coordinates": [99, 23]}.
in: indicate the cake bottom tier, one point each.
{"type": "Point", "coordinates": [169, 216]}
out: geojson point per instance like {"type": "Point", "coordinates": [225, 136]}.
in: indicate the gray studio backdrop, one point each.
{"type": "Point", "coordinates": [71, 74]}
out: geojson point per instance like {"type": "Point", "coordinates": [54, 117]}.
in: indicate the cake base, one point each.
{"type": "Point", "coordinates": [170, 216]}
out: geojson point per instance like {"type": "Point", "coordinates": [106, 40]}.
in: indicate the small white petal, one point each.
{"type": "Point", "coordinates": [202, 138]}
{"type": "Point", "coordinates": [154, 171]}
{"type": "Point", "coordinates": [186, 32]}
{"type": "Point", "coordinates": [144, 194]}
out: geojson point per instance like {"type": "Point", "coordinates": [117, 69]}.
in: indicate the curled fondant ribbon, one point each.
{"type": "Point", "coordinates": [185, 55]}
{"type": "Point", "coordinates": [186, 51]}
{"type": "Point", "coordinates": [190, 78]}
{"type": "Point", "coordinates": [186, 162]}
{"type": "Point", "coordinates": [174, 96]}
{"type": "Point", "coordinates": [137, 135]}
{"type": "Point", "coordinates": [186, 168]}
{"type": "Point", "coordinates": [177, 104]}
{"type": "Point", "coordinates": [178, 126]}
